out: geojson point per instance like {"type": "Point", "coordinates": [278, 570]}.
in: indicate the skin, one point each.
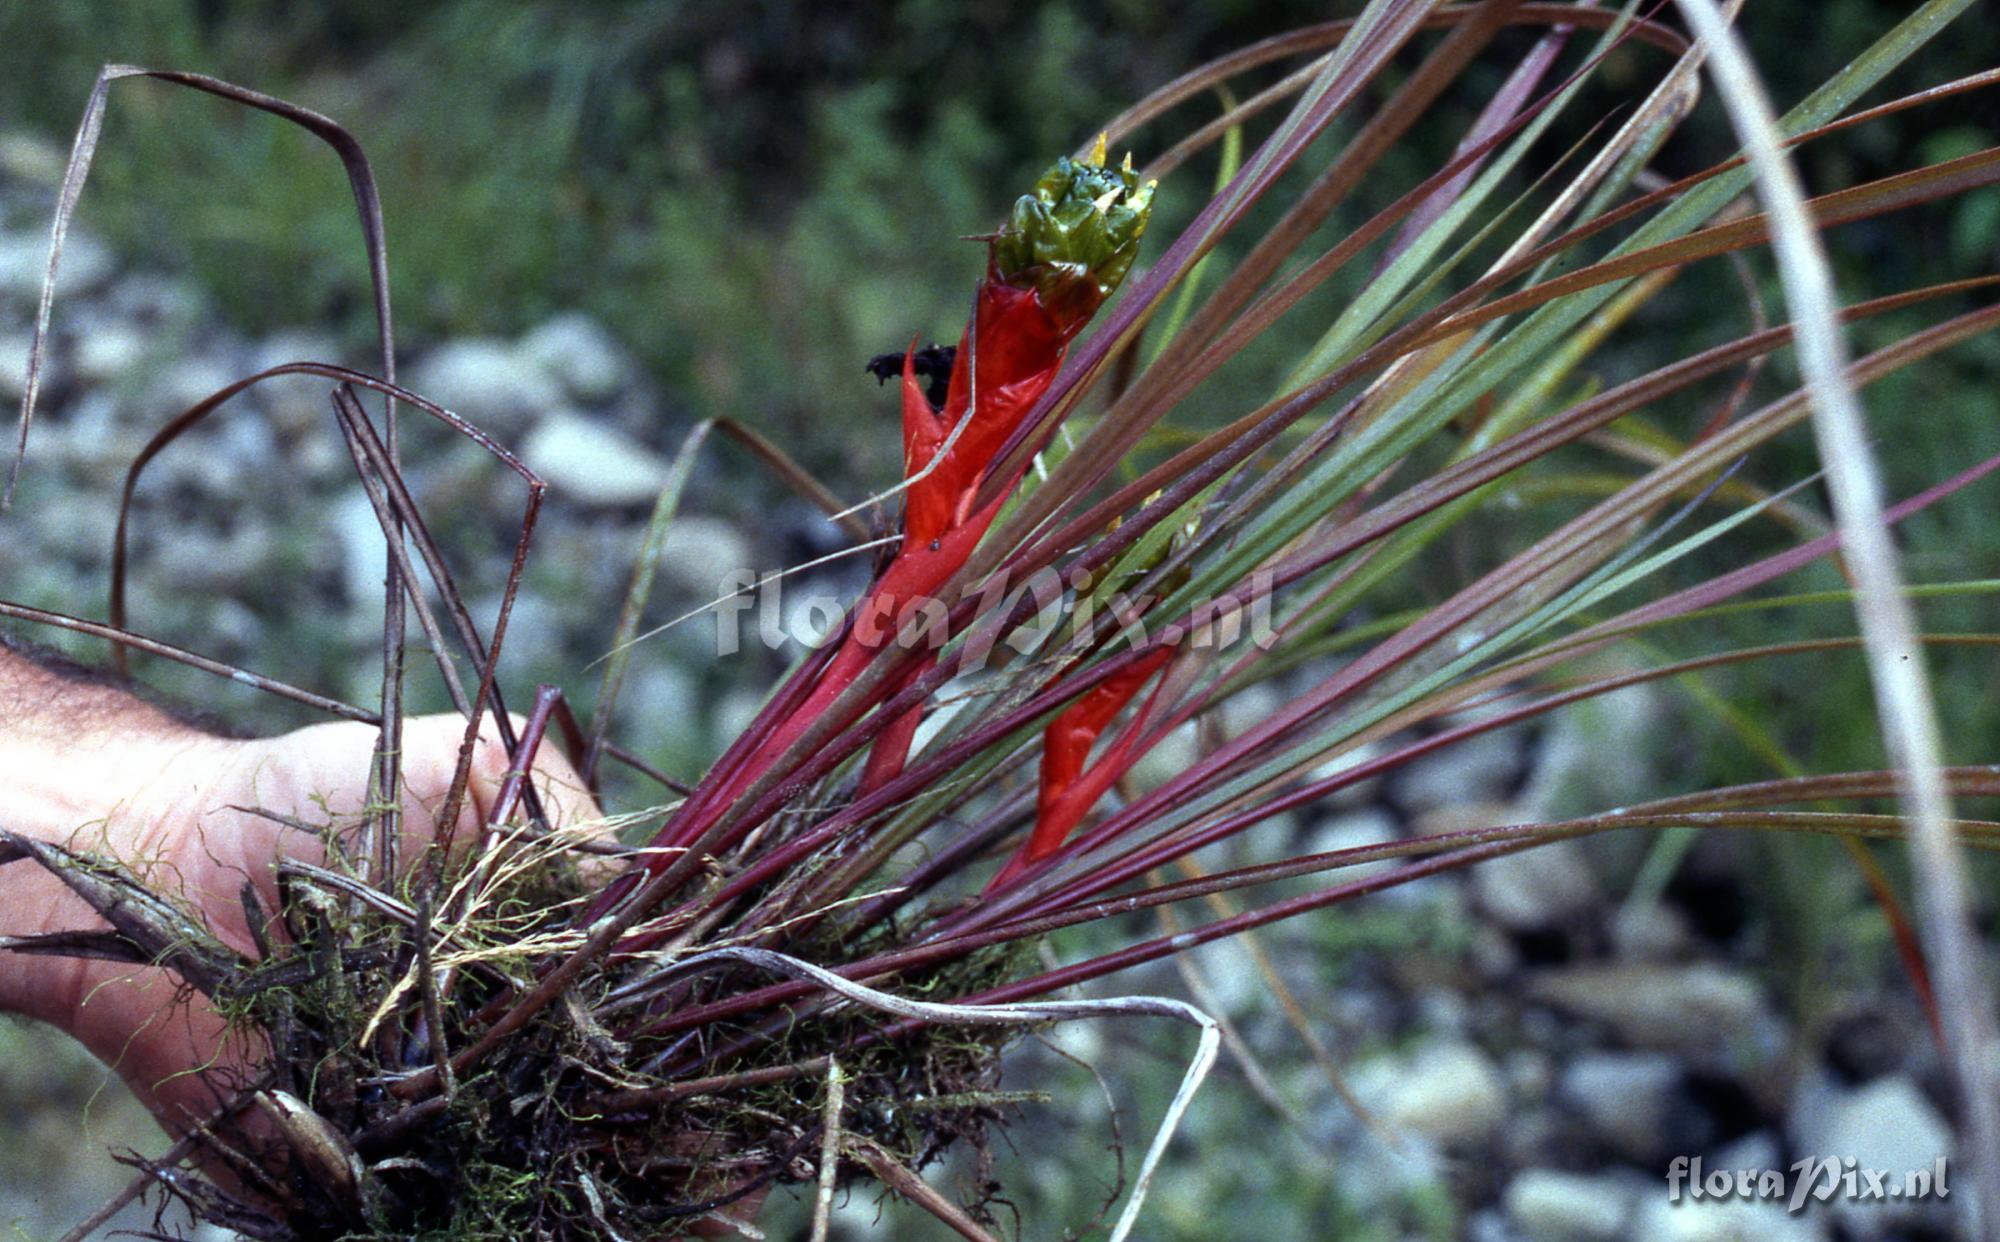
{"type": "Point", "coordinates": [86, 765]}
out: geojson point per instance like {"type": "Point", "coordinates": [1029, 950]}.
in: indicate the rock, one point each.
{"type": "Point", "coordinates": [24, 260]}
{"type": "Point", "coordinates": [1551, 1206]}
{"type": "Point", "coordinates": [1889, 1127]}
{"type": "Point", "coordinates": [1251, 707]}
{"type": "Point", "coordinates": [158, 301]}
{"type": "Point", "coordinates": [488, 382]}
{"type": "Point", "coordinates": [14, 366]}
{"type": "Point", "coordinates": [298, 345]}
{"type": "Point", "coordinates": [1463, 817]}
{"type": "Point", "coordinates": [31, 158]}
{"type": "Point", "coordinates": [1235, 985]}
{"type": "Point", "coordinates": [1754, 1152]}
{"type": "Point", "coordinates": [574, 350]}
{"type": "Point", "coordinates": [298, 405]}
{"type": "Point", "coordinates": [590, 463]}
{"type": "Point", "coordinates": [80, 533]}
{"type": "Point", "coordinates": [1176, 753]}
{"type": "Point", "coordinates": [197, 562]}
{"type": "Point", "coordinates": [166, 390]}
{"type": "Point", "coordinates": [1599, 751]}
{"type": "Point", "coordinates": [1447, 1091]}
{"type": "Point", "coordinates": [658, 697]}
{"type": "Point", "coordinates": [364, 551]}
{"type": "Point", "coordinates": [90, 438]}
{"type": "Point", "coordinates": [1360, 792]}
{"type": "Point", "coordinates": [1356, 829]}
{"type": "Point", "coordinates": [230, 456]}
{"type": "Point", "coordinates": [1656, 1006]}
{"type": "Point", "coordinates": [535, 634]}
{"type": "Point", "coordinates": [1719, 1220]}
{"type": "Point", "coordinates": [1543, 887]}
{"type": "Point", "coordinates": [1649, 931]}
{"type": "Point", "coordinates": [1626, 1098]}
{"type": "Point", "coordinates": [706, 556]}
{"type": "Point", "coordinates": [109, 351]}
{"type": "Point", "coordinates": [1485, 767]}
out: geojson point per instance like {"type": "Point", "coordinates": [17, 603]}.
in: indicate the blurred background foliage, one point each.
{"type": "Point", "coordinates": [757, 197]}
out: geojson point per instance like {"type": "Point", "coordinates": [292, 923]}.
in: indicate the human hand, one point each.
{"type": "Point", "coordinates": [163, 802]}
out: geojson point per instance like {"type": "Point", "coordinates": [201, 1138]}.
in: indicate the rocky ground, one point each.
{"type": "Point", "coordinates": [1534, 1043]}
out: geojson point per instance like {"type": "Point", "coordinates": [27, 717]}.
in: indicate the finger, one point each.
{"type": "Point", "coordinates": [431, 751]}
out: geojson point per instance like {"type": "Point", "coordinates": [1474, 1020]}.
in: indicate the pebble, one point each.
{"type": "Point", "coordinates": [1649, 931]}
{"type": "Point", "coordinates": [194, 561]}
{"type": "Point", "coordinates": [1548, 1205]}
{"type": "Point", "coordinates": [1481, 768]}
{"type": "Point", "coordinates": [1889, 1126]}
{"type": "Point", "coordinates": [574, 350]}
{"type": "Point", "coordinates": [1719, 1220]}
{"type": "Point", "coordinates": [1650, 1005]}
{"type": "Point", "coordinates": [590, 463]}
{"type": "Point", "coordinates": [31, 158]}
{"type": "Point", "coordinates": [1175, 753]}
{"type": "Point", "coordinates": [707, 556]}
{"type": "Point", "coordinates": [1597, 753]}
{"type": "Point", "coordinates": [489, 383]}
{"type": "Point", "coordinates": [1547, 886]}
{"type": "Point", "coordinates": [164, 391]}
{"type": "Point", "coordinates": [109, 351]}
{"type": "Point", "coordinates": [24, 260]}
{"type": "Point", "coordinates": [1359, 793]}
{"type": "Point", "coordinates": [14, 365]}
{"type": "Point", "coordinates": [1448, 1091]}
{"type": "Point", "coordinates": [352, 524]}
{"type": "Point", "coordinates": [1355, 829]}
{"type": "Point", "coordinates": [1625, 1098]}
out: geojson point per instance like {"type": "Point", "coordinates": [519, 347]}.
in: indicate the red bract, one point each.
{"type": "Point", "coordinates": [1067, 790]}
{"type": "Point", "coordinates": [1064, 249]}
{"type": "Point", "coordinates": [1009, 354]}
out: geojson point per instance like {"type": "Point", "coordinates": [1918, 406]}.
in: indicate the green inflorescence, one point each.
{"type": "Point", "coordinates": [1077, 232]}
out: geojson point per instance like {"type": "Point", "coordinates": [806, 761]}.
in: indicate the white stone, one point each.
{"type": "Point", "coordinates": [1888, 1124]}
{"type": "Point", "coordinates": [1359, 792]}
{"type": "Point", "coordinates": [1649, 931]}
{"type": "Point", "coordinates": [574, 350]}
{"type": "Point", "coordinates": [1479, 769]}
{"type": "Point", "coordinates": [1446, 1091]}
{"type": "Point", "coordinates": [1354, 830]}
{"type": "Point", "coordinates": [165, 391]}
{"type": "Point", "coordinates": [708, 556]}
{"type": "Point", "coordinates": [109, 351]}
{"type": "Point", "coordinates": [14, 365]}
{"type": "Point", "coordinates": [24, 259]}
{"type": "Point", "coordinates": [488, 382]}
{"type": "Point", "coordinates": [1652, 1005]}
{"type": "Point", "coordinates": [589, 462]}
{"type": "Point", "coordinates": [1176, 753]}
{"type": "Point", "coordinates": [1624, 1096]}
{"type": "Point", "coordinates": [31, 158]}
{"type": "Point", "coordinates": [1888, 1127]}
{"type": "Point", "coordinates": [1541, 887]}
{"type": "Point", "coordinates": [364, 550]}
{"type": "Point", "coordinates": [1719, 1220]}
{"type": "Point", "coordinates": [1551, 1206]}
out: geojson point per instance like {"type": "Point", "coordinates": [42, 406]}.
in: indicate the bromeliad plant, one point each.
{"type": "Point", "coordinates": [813, 967]}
